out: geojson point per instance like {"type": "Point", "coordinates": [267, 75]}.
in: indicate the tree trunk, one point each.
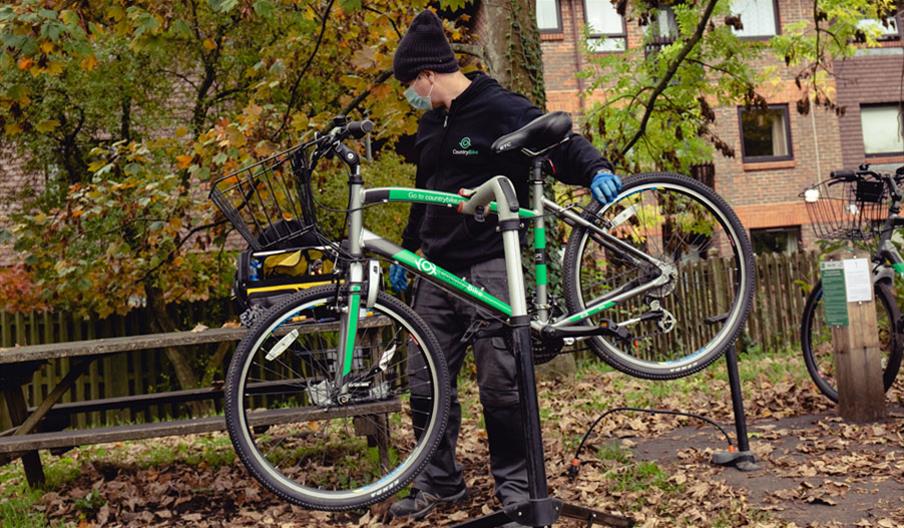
{"type": "Point", "coordinates": [506, 30]}
{"type": "Point", "coordinates": [162, 322]}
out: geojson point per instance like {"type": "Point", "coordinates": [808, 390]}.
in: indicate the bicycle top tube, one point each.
{"type": "Point", "coordinates": [412, 195]}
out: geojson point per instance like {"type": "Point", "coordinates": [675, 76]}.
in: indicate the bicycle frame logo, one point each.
{"type": "Point", "coordinates": [425, 266]}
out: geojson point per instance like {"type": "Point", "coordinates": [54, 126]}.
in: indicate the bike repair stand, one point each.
{"type": "Point", "coordinates": [541, 509]}
{"type": "Point", "coordinates": [742, 459]}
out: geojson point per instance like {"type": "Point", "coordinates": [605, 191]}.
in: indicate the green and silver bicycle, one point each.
{"type": "Point", "coordinates": [337, 397]}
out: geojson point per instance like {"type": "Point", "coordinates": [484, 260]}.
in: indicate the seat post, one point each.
{"type": "Point", "coordinates": [539, 226]}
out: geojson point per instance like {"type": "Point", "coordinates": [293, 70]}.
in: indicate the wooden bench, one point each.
{"type": "Point", "coordinates": [18, 364]}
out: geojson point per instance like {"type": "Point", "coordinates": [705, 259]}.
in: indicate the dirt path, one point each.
{"type": "Point", "coordinates": [811, 468]}
{"type": "Point", "coordinates": [816, 471]}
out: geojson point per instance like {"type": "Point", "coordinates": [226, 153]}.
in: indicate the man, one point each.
{"type": "Point", "coordinates": [464, 115]}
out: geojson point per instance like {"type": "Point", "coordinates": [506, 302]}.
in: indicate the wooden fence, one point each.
{"type": "Point", "coordinates": [704, 290]}
{"type": "Point", "coordinates": [139, 372]}
{"type": "Point", "coordinates": [782, 285]}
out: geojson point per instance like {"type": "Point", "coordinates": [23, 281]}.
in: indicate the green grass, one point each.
{"type": "Point", "coordinates": [19, 511]}
{"type": "Point", "coordinates": [641, 476]}
{"type": "Point", "coordinates": [18, 500]}
{"type": "Point", "coordinates": [784, 365]}
{"type": "Point", "coordinates": [213, 451]}
{"type": "Point", "coordinates": [612, 451]}
{"type": "Point", "coordinates": [91, 503]}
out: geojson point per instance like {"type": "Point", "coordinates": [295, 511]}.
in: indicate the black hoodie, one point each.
{"type": "Point", "coordinates": [453, 151]}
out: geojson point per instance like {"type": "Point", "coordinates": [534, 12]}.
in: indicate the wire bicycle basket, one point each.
{"type": "Point", "coordinates": [269, 202]}
{"type": "Point", "coordinates": [846, 208]}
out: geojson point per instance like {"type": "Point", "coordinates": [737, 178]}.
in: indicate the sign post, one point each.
{"type": "Point", "coordinates": [851, 313]}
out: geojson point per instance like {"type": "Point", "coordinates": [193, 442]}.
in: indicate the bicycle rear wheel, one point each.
{"type": "Point", "coordinates": [686, 323]}
{"type": "Point", "coordinates": [816, 340]}
{"type": "Point", "coordinates": [333, 447]}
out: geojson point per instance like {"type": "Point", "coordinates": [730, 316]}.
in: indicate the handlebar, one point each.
{"type": "Point", "coordinates": [359, 129]}
{"type": "Point", "coordinates": [843, 174]}
{"type": "Point", "coordinates": [344, 130]}
{"type": "Point", "coordinates": [890, 181]}
{"type": "Point", "coordinates": [864, 171]}
{"type": "Point", "coordinates": [330, 142]}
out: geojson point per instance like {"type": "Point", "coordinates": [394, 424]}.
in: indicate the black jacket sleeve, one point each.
{"type": "Point", "coordinates": [411, 238]}
{"type": "Point", "coordinates": [575, 161]}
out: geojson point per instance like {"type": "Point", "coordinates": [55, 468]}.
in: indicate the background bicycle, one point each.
{"type": "Point", "coordinates": [861, 207]}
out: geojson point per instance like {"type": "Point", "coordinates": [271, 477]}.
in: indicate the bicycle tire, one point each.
{"type": "Point", "coordinates": [737, 315]}
{"type": "Point", "coordinates": [826, 385]}
{"type": "Point", "coordinates": [345, 499]}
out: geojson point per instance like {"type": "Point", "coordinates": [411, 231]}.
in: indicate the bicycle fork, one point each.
{"type": "Point", "coordinates": [350, 311]}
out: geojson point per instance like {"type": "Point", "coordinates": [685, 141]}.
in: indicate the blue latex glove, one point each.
{"type": "Point", "coordinates": [397, 278]}
{"type": "Point", "coordinates": [605, 187]}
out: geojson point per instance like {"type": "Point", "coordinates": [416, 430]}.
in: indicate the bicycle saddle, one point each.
{"type": "Point", "coordinates": [538, 135]}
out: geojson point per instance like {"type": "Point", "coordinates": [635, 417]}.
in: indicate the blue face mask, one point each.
{"type": "Point", "coordinates": [419, 102]}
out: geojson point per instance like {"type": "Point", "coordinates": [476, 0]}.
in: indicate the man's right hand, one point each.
{"type": "Point", "coordinates": [398, 278]}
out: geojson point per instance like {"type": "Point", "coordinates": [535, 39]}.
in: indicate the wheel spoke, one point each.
{"type": "Point", "coordinates": [330, 438]}
{"type": "Point", "coordinates": [685, 228]}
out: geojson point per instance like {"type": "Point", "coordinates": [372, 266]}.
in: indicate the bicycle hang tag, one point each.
{"type": "Point", "coordinates": [374, 279]}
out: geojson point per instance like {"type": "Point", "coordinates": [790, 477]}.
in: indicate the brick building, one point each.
{"type": "Point", "coordinates": [778, 152]}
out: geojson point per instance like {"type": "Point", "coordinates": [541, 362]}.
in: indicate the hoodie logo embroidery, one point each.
{"type": "Point", "coordinates": [466, 150]}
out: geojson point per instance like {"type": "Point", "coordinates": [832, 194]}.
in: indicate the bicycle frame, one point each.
{"type": "Point", "coordinates": [361, 240]}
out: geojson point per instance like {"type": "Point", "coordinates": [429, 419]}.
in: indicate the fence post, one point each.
{"type": "Point", "coordinates": [850, 310]}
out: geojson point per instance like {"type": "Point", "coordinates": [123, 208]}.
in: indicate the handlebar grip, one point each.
{"type": "Point", "coordinates": [846, 174]}
{"type": "Point", "coordinates": [357, 129]}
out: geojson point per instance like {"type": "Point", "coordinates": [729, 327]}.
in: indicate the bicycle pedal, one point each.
{"type": "Point", "coordinates": [619, 332]}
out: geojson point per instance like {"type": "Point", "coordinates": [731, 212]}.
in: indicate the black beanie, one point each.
{"type": "Point", "coordinates": [424, 47]}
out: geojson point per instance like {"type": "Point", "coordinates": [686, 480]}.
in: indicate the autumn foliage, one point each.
{"type": "Point", "coordinates": [131, 110]}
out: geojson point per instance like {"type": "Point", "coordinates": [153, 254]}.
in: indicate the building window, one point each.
{"type": "Point", "coordinates": [759, 18]}
{"type": "Point", "coordinates": [765, 134]}
{"type": "Point", "coordinates": [882, 129]}
{"type": "Point", "coordinates": [886, 30]}
{"type": "Point", "coordinates": [607, 27]}
{"type": "Point", "coordinates": [775, 240]}
{"type": "Point", "coordinates": [661, 31]}
{"type": "Point", "coordinates": [664, 25]}
{"type": "Point", "coordinates": [549, 17]}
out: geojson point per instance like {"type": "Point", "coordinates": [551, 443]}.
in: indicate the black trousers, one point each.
{"type": "Point", "coordinates": [450, 319]}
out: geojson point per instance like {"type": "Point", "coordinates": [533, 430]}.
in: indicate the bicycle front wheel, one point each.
{"type": "Point", "coordinates": [816, 340]}
{"type": "Point", "coordinates": [326, 444]}
{"type": "Point", "coordinates": [679, 232]}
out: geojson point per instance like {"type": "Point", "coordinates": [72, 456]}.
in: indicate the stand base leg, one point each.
{"type": "Point", "coordinates": [741, 460]}
{"type": "Point", "coordinates": [570, 511]}
{"type": "Point", "coordinates": [591, 517]}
